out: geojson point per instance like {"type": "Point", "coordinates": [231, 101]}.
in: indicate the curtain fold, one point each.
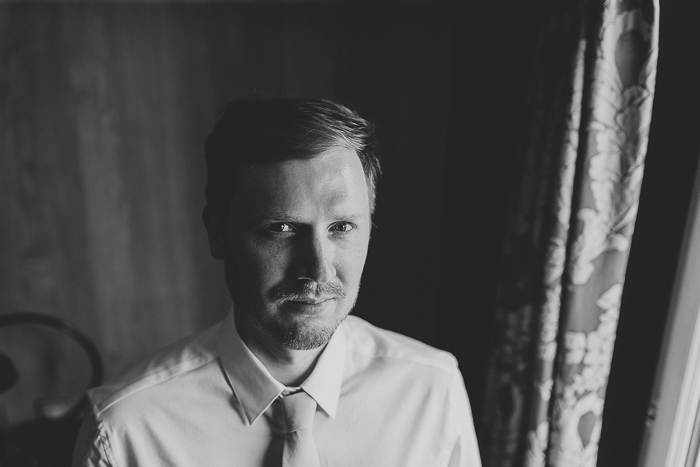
{"type": "Point", "coordinates": [569, 233]}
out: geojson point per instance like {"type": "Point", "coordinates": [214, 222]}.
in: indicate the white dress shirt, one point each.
{"type": "Point", "coordinates": [383, 400]}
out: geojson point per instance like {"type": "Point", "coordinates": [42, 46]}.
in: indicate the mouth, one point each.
{"type": "Point", "coordinates": [311, 300]}
{"type": "Point", "coordinates": [308, 305]}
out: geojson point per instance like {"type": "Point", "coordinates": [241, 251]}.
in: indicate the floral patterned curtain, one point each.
{"type": "Point", "coordinates": [569, 233]}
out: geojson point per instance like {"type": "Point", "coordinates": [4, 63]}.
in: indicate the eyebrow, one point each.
{"type": "Point", "coordinates": [277, 215]}
{"type": "Point", "coordinates": [286, 217]}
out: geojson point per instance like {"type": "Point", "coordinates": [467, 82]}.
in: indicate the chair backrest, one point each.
{"type": "Point", "coordinates": [48, 438]}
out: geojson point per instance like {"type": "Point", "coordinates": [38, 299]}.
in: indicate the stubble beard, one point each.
{"type": "Point", "coordinates": [300, 336]}
{"type": "Point", "coordinates": [293, 334]}
{"type": "Point", "coordinates": [290, 333]}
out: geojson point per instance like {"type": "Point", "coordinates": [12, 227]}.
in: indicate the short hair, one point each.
{"type": "Point", "coordinates": [269, 130]}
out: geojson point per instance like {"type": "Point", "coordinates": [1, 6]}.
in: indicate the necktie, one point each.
{"type": "Point", "coordinates": [299, 445]}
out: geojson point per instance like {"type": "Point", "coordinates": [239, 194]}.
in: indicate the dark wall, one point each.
{"type": "Point", "coordinates": [104, 108]}
{"type": "Point", "coordinates": [488, 123]}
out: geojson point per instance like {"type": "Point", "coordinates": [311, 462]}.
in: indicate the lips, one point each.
{"type": "Point", "coordinates": [311, 300]}
{"type": "Point", "coordinates": [309, 306]}
{"type": "Point", "coordinates": [308, 293]}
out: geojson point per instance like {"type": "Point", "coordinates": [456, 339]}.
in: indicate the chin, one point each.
{"type": "Point", "coordinates": [305, 334]}
{"type": "Point", "coordinates": [305, 340]}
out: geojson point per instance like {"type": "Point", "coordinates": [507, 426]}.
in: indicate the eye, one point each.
{"type": "Point", "coordinates": [280, 227]}
{"type": "Point", "coordinates": [342, 227]}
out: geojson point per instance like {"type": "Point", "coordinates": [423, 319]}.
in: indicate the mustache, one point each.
{"type": "Point", "coordinates": [309, 289]}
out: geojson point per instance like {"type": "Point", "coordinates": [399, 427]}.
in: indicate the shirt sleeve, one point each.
{"type": "Point", "coordinates": [91, 448]}
{"type": "Point", "coordinates": [465, 452]}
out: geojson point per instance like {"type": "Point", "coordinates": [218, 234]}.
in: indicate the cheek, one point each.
{"type": "Point", "coordinates": [353, 262]}
{"type": "Point", "coordinates": [254, 266]}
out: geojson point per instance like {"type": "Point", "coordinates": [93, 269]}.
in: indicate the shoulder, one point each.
{"type": "Point", "coordinates": [171, 363]}
{"type": "Point", "coordinates": [369, 342]}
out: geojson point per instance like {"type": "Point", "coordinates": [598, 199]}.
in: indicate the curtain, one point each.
{"type": "Point", "coordinates": [569, 232]}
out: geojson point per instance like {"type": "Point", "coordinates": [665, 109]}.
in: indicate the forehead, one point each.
{"type": "Point", "coordinates": [330, 184]}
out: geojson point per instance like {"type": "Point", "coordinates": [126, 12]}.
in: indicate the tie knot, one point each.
{"type": "Point", "coordinates": [299, 410]}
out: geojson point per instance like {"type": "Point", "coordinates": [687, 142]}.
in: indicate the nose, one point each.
{"type": "Point", "coordinates": [317, 257]}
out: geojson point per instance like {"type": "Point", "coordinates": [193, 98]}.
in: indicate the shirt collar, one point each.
{"type": "Point", "coordinates": [255, 387]}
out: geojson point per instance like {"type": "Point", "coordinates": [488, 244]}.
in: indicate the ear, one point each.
{"type": "Point", "coordinates": [215, 231]}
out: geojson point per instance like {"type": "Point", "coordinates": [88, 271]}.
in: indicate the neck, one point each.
{"type": "Point", "coordinates": [288, 366]}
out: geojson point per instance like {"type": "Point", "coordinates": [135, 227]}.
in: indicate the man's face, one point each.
{"type": "Point", "coordinates": [295, 244]}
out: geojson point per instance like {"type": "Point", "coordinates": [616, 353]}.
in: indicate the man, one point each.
{"type": "Point", "coordinates": [288, 378]}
